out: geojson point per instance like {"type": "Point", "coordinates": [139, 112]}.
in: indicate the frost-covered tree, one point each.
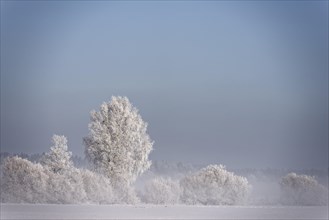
{"type": "Point", "coordinates": [97, 187]}
{"type": "Point", "coordinates": [65, 184]}
{"type": "Point", "coordinates": [55, 180]}
{"type": "Point", "coordinates": [23, 181]}
{"type": "Point", "coordinates": [66, 187]}
{"type": "Point", "coordinates": [214, 185]}
{"type": "Point", "coordinates": [162, 191]}
{"type": "Point", "coordinates": [302, 190]}
{"type": "Point", "coordinates": [118, 145]}
{"type": "Point", "coordinates": [59, 158]}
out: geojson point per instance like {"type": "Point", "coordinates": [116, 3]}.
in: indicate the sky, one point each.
{"type": "Point", "coordinates": [244, 84]}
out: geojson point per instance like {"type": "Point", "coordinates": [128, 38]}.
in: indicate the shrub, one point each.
{"type": "Point", "coordinates": [162, 191]}
{"type": "Point", "coordinates": [23, 181]}
{"type": "Point", "coordinates": [214, 185]}
{"type": "Point", "coordinates": [302, 190]}
{"type": "Point", "coordinates": [97, 187]}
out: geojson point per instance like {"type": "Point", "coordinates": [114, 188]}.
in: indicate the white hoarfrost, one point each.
{"type": "Point", "coordinates": [97, 187]}
{"type": "Point", "coordinates": [214, 185]}
{"type": "Point", "coordinates": [162, 191]}
{"type": "Point", "coordinates": [117, 148]}
{"type": "Point", "coordinates": [66, 187]}
{"type": "Point", "coordinates": [118, 145]}
{"type": "Point", "coordinates": [58, 159]}
{"type": "Point", "coordinates": [56, 180]}
{"type": "Point", "coordinates": [302, 190]}
{"type": "Point", "coordinates": [23, 181]}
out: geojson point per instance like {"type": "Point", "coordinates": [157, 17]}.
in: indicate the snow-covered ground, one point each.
{"type": "Point", "coordinates": [30, 211]}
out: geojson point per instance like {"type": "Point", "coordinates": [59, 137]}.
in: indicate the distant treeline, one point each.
{"type": "Point", "coordinates": [169, 168]}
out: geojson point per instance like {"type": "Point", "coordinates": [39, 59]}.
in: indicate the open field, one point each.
{"type": "Point", "coordinates": [46, 211]}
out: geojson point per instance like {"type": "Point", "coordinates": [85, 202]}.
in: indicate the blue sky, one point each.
{"type": "Point", "coordinates": [239, 83]}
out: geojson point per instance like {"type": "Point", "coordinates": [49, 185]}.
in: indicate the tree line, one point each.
{"type": "Point", "coordinates": [117, 151]}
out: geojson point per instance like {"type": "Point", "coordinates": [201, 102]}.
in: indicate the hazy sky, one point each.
{"type": "Point", "coordinates": [244, 84]}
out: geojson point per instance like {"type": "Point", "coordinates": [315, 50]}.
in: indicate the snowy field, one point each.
{"type": "Point", "coordinates": [29, 211]}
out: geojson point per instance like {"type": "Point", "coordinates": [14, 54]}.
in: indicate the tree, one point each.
{"type": "Point", "coordinates": [214, 185]}
{"type": "Point", "coordinates": [56, 180]}
{"type": "Point", "coordinates": [23, 181]}
{"type": "Point", "coordinates": [118, 145]}
{"type": "Point", "coordinates": [162, 191]}
{"type": "Point", "coordinates": [302, 190]}
{"type": "Point", "coordinates": [58, 159]}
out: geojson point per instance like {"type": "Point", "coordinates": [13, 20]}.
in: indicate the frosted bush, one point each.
{"type": "Point", "coordinates": [23, 181]}
{"type": "Point", "coordinates": [65, 183]}
{"type": "Point", "coordinates": [162, 191]}
{"type": "Point", "coordinates": [302, 190]}
{"type": "Point", "coordinates": [97, 187]}
{"type": "Point", "coordinates": [66, 188]}
{"type": "Point", "coordinates": [56, 180]}
{"type": "Point", "coordinates": [214, 185]}
{"type": "Point", "coordinates": [126, 194]}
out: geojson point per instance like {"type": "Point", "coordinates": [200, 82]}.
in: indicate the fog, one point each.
{"type": "Point", "coordinates": [265, 188]}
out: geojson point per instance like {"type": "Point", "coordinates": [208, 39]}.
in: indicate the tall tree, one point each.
{"type": "Point", "coordinates": [118, 145]}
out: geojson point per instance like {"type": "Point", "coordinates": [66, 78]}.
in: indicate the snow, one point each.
{"type": "Point", "coordinates": [46, 211]}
